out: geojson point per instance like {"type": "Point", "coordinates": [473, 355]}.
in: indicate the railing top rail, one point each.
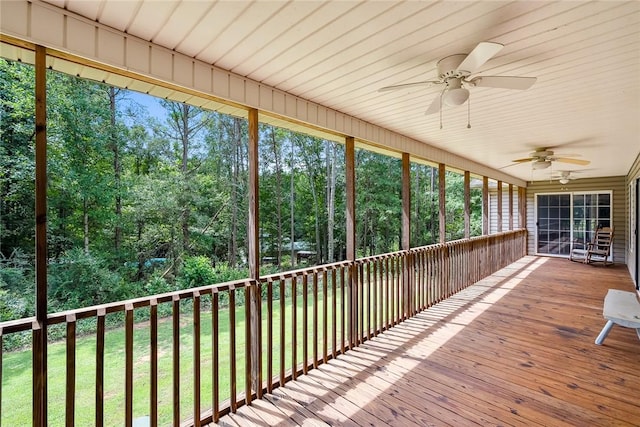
{"type": "Point", "coordinates": [17, 325]}
{"type": "Point", "coordinates": [113, 307]}
{"type": "Point", "coordinates": [303, 271]}
{"type": "Point", "coordinates": [472, 239]}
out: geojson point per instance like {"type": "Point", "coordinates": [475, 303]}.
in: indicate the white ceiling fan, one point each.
{"type": "Point", "coordinates": [542, 158]}
{"type": "Point", "coordinates": [564, 177]}
{"type": "Point", "coordinates": [455, 73]}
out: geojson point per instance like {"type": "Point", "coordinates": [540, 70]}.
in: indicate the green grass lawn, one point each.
{"type": "Point", "coordinates": [17, 374]}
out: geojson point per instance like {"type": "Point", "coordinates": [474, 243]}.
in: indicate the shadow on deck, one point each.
{"type": "Point", "coordinates": [516, 348]}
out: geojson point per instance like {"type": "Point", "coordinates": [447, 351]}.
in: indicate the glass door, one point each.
{"type": "Point", "coordinates": [554, 224]}
{"type": "Point", "coordinates": [569, 220]}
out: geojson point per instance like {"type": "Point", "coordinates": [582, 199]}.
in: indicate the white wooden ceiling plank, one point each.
{"type": "Point", "coordinates": [203, 33]}
{"type": "Point", "coordinates": [183, 19]}
{"type": "Point", "coordinates": [262, 60]}
{"type": "Point", "coordinates": [118, 15]}
{"type": "Point", "coordinates": [341, 34]}
{"type": "Point", "coordinates": [150, 18]}
{"type": "Point", "coordinates": [87, 8]}
{"type": "Point", "coordinates": [248, 21]}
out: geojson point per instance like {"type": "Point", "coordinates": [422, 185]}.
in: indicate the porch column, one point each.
{"type": "Point", "coordinates": [406, 233]}
{"type": "Point", "coordinates": [442, 194]}
{"type": "Point", "coordinates": [40, 330]}
{"type": "Point", "coordinates": [510, 206]}
{"type": "Point", "coordinates": [253, 325]}
{"type": "Point", "coordinates": [522, 206]}
{"type": "Point", "coordinates": [467, 204]}
{"type": "Point", "coordinates": [499, 206]}
{"type": "Point", "coordinates": [485, 205]}
{"type": "Point", "coordinates": [350, 178]}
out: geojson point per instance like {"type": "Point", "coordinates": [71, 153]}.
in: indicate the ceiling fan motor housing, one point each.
{"type": "Point", "coordinates": [447, 67]}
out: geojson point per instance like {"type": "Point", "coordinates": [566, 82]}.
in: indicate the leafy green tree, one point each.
{"type": "Point", "coordinates": [17, 158]}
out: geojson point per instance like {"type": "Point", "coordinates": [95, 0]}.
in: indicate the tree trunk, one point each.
{"type": "Point", "coordinates": [186, 210]}
{"type": "Point", "coordinates": [331, 195]}
{"type": "Point", "coordinates": [276, 154]}
{"type": "Point", "coordinates": [117, 172]}
{"type": "Point", "coordinates": [235, 173]}
{"type": "Point", "coordinates": [85, 220]}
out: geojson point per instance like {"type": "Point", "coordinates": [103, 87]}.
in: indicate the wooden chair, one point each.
{"type": "Point", "coordinates": [600, 248]}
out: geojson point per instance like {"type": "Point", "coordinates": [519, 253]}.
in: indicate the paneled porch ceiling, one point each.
{"type": "Point", "coordinates": [585, 55]}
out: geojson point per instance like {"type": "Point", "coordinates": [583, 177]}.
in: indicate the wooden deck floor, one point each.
{"type": "Point", "coordinates": [516, 349]}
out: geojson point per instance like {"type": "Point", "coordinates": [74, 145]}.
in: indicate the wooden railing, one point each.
{"type": "Point", "coordinates": [307, 316]}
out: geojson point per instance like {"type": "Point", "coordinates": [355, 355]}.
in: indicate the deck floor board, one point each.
{"type": "Point", "coordinates": [515, 349]}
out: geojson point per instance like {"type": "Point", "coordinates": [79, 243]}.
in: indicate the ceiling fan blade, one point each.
{"type": "Point", "coordinates": [504, 82]}
{"type": "Point", "coordinates": [407, 85]}
{"type": "Point", "coordinates": [527, 159]}
{"type": "Point", "coordinates": [478, 56]}
{"type": "Point", "coordinates": [435, 105]}
{"type": "Point", "coordinates": [574, 161]}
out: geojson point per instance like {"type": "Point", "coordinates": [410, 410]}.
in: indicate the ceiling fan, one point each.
{"type": "Point", "coordinates": [454, 72]}
{"type": "Point", "coordinates": [541, 158]}
{"type": "Point", "coordinates": [564, 177]}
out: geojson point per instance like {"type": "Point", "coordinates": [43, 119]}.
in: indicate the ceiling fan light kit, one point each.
{"type": "Point", "coordinates": [455, 93]}
{"type": "Point", "coordinates": [541, 164]}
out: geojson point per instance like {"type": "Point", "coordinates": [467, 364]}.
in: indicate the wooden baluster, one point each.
{"type": "Point", "coordinates": [176, 359]}
{"type": "Point", "coordinates": [305, 324]}
{"type": "Point", "coordinates": [128, 387]}
{"type": "Point", "coordinates": [294, 331]}
{"type": "Point", "coordinates": [369, 298]}
{"type": "Point", "coordinates": [315, 319]}
{"type": "Point", "coordinates": [374, 286]}
{"type": "Point", "coordinates": [153, 339]}
{"type": "Point", "coordinates": [99, 402]}
{"type": "Point", "coordinates": [71, 371]}
{"type": "Point", "coordinates": [282, 331]}
{"type": "Point", "coordinates": [232, 349]}
{"type": "Point", "coordinates": [350, 306]}
{"type": "Point", "coordinates": [247, 345]}
{"type": "Point", "coordinates": [325, 316]}
{"type": "Point", "coordinates": [215, 342]}
{"type": "Point", "coordinates": [388, 295]}
{"type": "Point", "coordinates": [270, 335]}
{"type": "Point", "coordinates": [361, 305]}
{"type": "Point", "coordinates": [343, 307]}
{"type": "Point", "coordinates": [196, 359]}
{"type": "Point", "coordinates": [334, 315]}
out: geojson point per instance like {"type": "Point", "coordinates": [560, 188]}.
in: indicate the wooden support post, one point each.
{"type": "Point", "coordinates": [485, 205]}
{"type": "Point", "coordinates": [350, 178]}
{"type": "Point", "coordinates": [467, 204]}
{"type": "Point", "coordinates": [442, 200]}
{"type": "Point", "coordinates": [40, 348]}
{"type": "Point", "coordinates": [254, 337]}
{"type": "Point", "coordinates": [499, 220]}
{"type": "Point", "coordinates": [510, 206]}
{"type": "Point", "coordinates": [406, 231]}
{"type": "Point", "coordinates": [522, 206]}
